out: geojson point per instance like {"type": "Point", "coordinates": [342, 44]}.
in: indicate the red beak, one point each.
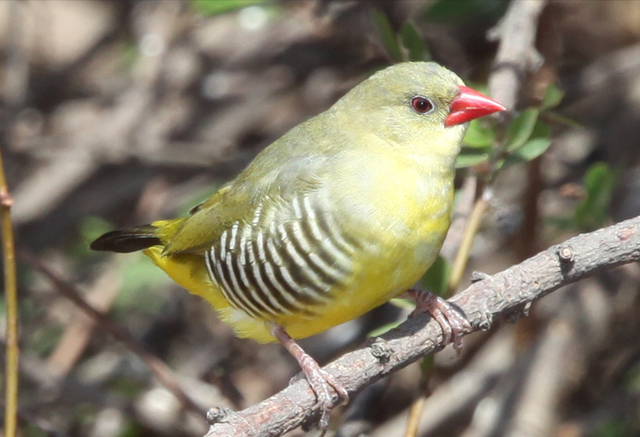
{"type": "Point", "coordinates": [469, 105]}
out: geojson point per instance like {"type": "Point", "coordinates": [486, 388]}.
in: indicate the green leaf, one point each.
{"type": "Point", "coordinates": [593, 211]}
{"type": "Point", "coordinates": [613, 427]}
{"type": "Point", "coordinates": [387, 35]}
{"type": "Point", "coordinates": [479, 134]}
{"type": "Point", "coordinates": [405, 304]}
{"type": "Point", "coordinates": [552, 97]}
{"type": "Point", "coordinates": [385, 328]}
{"type": "Point", "coordinates": [469, 157]}
{"type": "Point", "coordinates": [533, 148]}
{"type": "Point", "coordinates": [462, 10]}
{"type": "Point", "coordinates": [538, 142]}
{"type": "Point", "coordinates": [530, 151]}
{"type": "Point", "coordinates": [446, 10]}
{"type": "Point", "coordinates": [414, 43]}
{"type": "Point", "coordinates": [541, 130]}
{"type": "Point", "coordinates": [426, 365]}
{"type": "Point", "coordinates": [217, 7]}
{"type": "Point", "coordinates": [436, 279]}
{"type": "Point", "coordinates": [521, 128]}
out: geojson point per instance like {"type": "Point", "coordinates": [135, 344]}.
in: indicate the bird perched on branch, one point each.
{"type": "Point", "coordinates": [344, 212]}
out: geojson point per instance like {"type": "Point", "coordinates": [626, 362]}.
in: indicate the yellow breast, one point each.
{"type": "Point", "coordinates": [403, 225]}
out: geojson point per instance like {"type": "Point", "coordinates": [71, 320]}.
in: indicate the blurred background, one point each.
{"type": "Point", "coordinates": [116, 113]}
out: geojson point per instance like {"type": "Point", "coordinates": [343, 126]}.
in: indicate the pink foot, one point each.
{"type": "Point", "coordinates": [322, 382]}
{"type": "Point", "coordinates": [453, 323]}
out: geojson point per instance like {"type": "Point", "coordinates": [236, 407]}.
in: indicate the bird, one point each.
{"type": "Point", "coordinates": [342, 213]}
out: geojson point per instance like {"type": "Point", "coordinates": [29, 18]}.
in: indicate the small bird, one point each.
{"type": "Point", "coordinates": [342, 213]}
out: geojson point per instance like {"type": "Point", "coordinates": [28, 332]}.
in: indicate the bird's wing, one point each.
{"type": "Point", "coordinates": [252, 192]}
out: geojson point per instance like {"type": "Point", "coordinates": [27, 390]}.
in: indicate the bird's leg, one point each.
{"type": "Point", "coordinates": [321, 381]}
{"type": "Point", "coordinates": [452, 322]}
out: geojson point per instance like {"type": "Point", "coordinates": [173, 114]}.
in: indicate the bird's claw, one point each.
{"type": "Point", "coordinates": [323, 397]}
{"type": "Point", "coordinates": [453, 324]}
{"type": "Point", "coordinates": [322, 383]}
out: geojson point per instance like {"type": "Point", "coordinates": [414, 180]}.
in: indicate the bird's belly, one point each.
{"type": "Point", "coordinates": [385, 268]}
{"type": "Point", "coordinates": [382, 274]}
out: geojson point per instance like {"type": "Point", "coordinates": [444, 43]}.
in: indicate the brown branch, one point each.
{"type": "Point", "coordinates": [516, 53]}
{"type": "Point", "coordinates": [79, 331]}
{"type": "Point", "coordinates": [505, 293]}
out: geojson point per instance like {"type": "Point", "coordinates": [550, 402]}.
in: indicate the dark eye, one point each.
{"type": "Point", "coordinates": [421, 105]}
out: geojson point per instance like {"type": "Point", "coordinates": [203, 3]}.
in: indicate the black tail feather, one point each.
{"type": "Point", "coordinates": [127, 240]}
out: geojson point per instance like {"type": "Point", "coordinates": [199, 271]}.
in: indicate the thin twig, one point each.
{"type": "Point", "coordinates": [14, 90]}
{"type": "Point", "coordinates": [471, 230]}
{"type": "Point", "coordinates": [80, 330]}
{"type": "Point", "coordinates": [482, 302]}
{"type": "Point", "coordinates": [415, 414]}
{"type": "Point", "coordinates": [11, 298]}
{"type": "Point", "coordinates": [159, 369]}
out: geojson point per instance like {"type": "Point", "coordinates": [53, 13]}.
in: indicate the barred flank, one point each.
{"type": "Point", "coordinates": [274, 270]}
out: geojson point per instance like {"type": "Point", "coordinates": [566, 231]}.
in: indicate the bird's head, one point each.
{"type": "Point", "coordinates": [418, 106]}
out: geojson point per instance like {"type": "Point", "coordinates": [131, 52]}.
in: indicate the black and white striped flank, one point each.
{"type": "Point", "coordinates": [269, 269]}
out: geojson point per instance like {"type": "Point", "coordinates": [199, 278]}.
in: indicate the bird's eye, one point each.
{"type": "Point", "coordinates": [422, 105]}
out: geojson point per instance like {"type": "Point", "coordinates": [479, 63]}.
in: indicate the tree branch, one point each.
{"type": "Point", "coordinates": [11, 299]}
{"type": "Point", "coordinates": [504, 294]}
{"type": "Point", "coordinates": [516, 53]}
